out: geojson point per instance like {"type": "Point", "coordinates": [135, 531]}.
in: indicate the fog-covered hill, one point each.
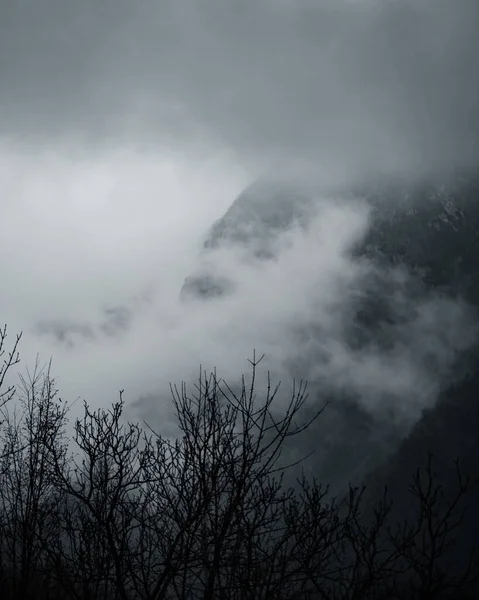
{"type": "Point", "coordinates": [405, 324]}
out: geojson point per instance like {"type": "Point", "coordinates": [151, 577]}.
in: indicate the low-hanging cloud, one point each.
{"type": "Point", "coordinates": [303, 299]}
{"type": "Point", "coordinates": [127, 128]}
{"type": "Point", "coordinates": [99, 250]}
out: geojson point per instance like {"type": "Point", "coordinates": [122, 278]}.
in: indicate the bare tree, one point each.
{"type": "Point", "coordinates": [100, 482]}
{"type": "Point", "coordinates": [172, 516]}
{"type": "Point", "coordinates": [8, 359]}
{"type": "Point", "coordinates": [28, 496]}
{"type": "Point", "coordinates": [121, 512]}
{"type": "Point", "coordinates": [424, 544]}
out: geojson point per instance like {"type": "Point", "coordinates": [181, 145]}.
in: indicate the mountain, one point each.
{"type": "Point", "coordinates": [431, 225]}
{"type": "Point", "coordinates": [253, 222]}
{"type": "Point", "coordinates": [416, 303]}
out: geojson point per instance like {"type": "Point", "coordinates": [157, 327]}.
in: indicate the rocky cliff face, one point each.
{"type": "Point", "coordinates": [430, 225]}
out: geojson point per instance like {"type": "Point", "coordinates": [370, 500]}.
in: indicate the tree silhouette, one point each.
{"type": "Point", "coordinates": [119, 511]}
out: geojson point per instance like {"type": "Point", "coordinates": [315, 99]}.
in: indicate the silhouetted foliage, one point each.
{"type": "Point", "coordinates": [119, 511]}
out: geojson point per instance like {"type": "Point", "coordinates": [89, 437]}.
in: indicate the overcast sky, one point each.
{"type": "Point", "coordinates": [127, 128]}
{"type": "Point", "coordinates": [352, 80]}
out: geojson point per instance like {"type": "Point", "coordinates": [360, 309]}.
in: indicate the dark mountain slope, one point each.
{"type": "Point", "coordinates": [432, 226]}
{"type": "Point", "coordinates": [447, 433]}
{"type": "Point", "coordinates": [420, 291]}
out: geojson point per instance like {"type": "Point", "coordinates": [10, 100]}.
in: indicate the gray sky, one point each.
{"type": "Point", "coordinates": [126, 128]}
{"type": "Point", "coordinates": [353, 82]}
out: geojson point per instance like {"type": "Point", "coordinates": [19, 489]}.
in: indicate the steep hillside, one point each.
{"type": "Point", "coordinates": [417, 302]}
